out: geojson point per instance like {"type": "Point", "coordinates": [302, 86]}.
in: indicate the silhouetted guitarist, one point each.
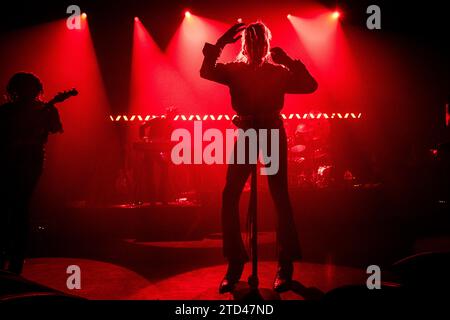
{"type": "Point", "coordinates": [25, 123]}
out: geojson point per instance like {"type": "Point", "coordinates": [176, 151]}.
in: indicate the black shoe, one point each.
{"type": "Point", "coordinates": [283, 279]}
{"type": "Point", "coordinates": [232, 277]}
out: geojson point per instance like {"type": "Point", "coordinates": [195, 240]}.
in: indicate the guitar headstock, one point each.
{"type": "Point", "coordinates": [62, 96]}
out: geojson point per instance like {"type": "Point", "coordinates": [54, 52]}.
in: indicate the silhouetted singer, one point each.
{"type": "Point", "coordinates": [257, 80]}
{"type": "Point", "coordinates": [25, 123]}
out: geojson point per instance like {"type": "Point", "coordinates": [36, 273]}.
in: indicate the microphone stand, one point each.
{"type": "Point", "coordinates": [253, 292]}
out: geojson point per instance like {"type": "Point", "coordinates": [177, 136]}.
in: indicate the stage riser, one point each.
{"type": "Point", "coordinates": [342, 226]}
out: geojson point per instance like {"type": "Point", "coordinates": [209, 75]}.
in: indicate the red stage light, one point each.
{"type": "Point", "coordinates": [84, 16]}
{"type": "Point", "coordinates": [136, 19]}
{"type": "Point", "coordinates": [288, 16]}
{"type": "Point", "coordinates": [187, 14]}
{"type": "Point", "coordinates": [239, 20]}
{"type": "Point", "coordinates": [335, 15]}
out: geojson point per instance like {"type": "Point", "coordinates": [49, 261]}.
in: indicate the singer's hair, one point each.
{"type": "Point", "coordinates": [255, 47]}
{"type": "Point", "coordinates": [24, 85]}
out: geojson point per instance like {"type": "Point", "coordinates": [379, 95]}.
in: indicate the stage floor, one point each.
{"type": "Point", "coordinates": [101, 280]}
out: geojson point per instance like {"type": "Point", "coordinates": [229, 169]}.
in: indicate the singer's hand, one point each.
{"type": "Point", "coordinates": [231, 36]}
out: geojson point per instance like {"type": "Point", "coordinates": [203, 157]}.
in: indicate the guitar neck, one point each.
{"type": "Point", "coordinates": [52, 102]}
{"type": "Point", "coordinates": [61, 97]}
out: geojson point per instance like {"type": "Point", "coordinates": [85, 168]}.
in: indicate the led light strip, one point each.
{"type": "Point", "coordinates": [222, 117]}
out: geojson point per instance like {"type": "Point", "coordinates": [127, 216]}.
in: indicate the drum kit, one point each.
{"type": "Point", "coordinates": [310, 164]}
{"type": "Point", "coordinates": [309, 160]}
